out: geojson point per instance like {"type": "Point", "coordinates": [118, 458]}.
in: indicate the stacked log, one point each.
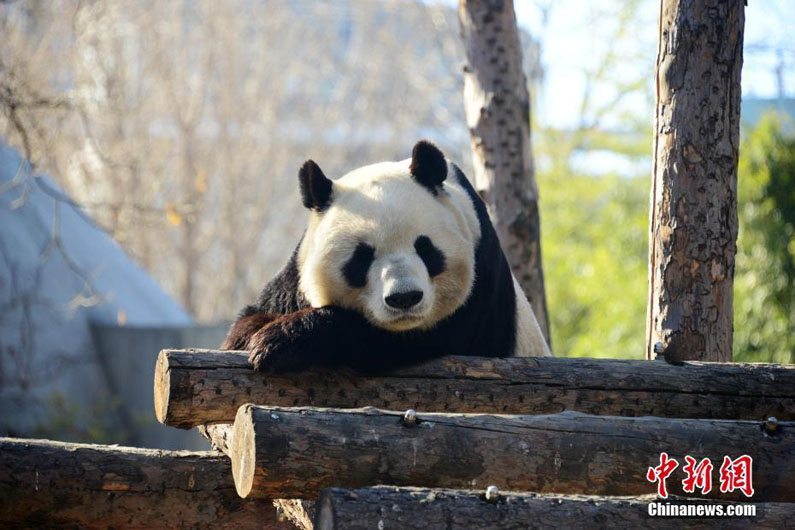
{"type": "Point", "coordinates": [47, 484]}
{"type": "Point", "coordinates": [294, 452]}
{"type": "Point", "coordinates": [425, 509]}
{"type": "Point", "coordinates": [194, 387]}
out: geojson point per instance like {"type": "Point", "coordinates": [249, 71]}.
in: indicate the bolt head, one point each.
{"type": "Point", "coordinates": [492, 492]}
{"type": "Point", "coordinates": [410, 417]}
{"type": "Point", "coordinates": [771, 424]}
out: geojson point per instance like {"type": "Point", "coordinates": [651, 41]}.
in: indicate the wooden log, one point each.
{"type": "Point", "coordinates": [219, 435]}
{"type": "Point", "coordinates": [46, 484]}
{"type": "Point", "coordinates": [423, 509]}
{"type": "Point", "coordinates": [297, 511]}
{"type": "Point", "coordinates": [193, 387]}
{"type": "Point", "coordinates": [293, 452]}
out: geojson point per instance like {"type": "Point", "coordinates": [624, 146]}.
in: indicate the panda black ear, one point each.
{"type": "Point", "coordinates": [428, 166]}
{"type": "Point", "coordinates": [315, 187]}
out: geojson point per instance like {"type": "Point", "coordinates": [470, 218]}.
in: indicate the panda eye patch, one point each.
{"type": "Point", "coordinates": [430, 255]}
{"type": "Point", "coordinates": [355, 270]}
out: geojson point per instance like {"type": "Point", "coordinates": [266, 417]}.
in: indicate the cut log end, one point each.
{"type": "Point", "coordinates": [242, 451]}
{"type": "Point", "coordinates": [162, 387]}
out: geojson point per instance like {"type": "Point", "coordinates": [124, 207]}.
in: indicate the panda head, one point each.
{"type": "Point", "coordinates": [392, 241]}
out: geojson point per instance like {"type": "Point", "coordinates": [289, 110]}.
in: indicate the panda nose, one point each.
{"type": "Point", "coordinates": [404, 300]}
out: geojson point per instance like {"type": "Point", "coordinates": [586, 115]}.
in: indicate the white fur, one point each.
{"type": "Point", "coordinates": [382, 205]}
{"type": "Point", "coordinates": [529, 339]}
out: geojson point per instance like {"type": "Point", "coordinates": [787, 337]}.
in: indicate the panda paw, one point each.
{"type": "Point", "coordinates": [284, 345]}
{"type": "Point", "coordinates": [271, 350]}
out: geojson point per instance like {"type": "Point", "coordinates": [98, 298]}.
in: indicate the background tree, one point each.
{"type": "Point", "coordinates": [498, 116]}
{"type": "Point", "coordinates": [694, 194]}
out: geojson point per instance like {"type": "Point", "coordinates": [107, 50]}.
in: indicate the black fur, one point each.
{"type": "Point", "coordinates": [431, 256]}
{"type": "Point", "coordinates": [355, 271]}
{"type": "Point", "coordinates": [315, 187]}
{"type": "Point", "coordinates": [428, 165]}
{"type": "Point", "coordinates": [281, 295]}
{"type": "Point", "coordinates": [294, 336]}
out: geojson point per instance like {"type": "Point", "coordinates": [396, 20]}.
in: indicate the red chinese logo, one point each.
{"type": "Point", "coordinates": [737, 475]}
{"type": "Point", "coordinates": [734, 475]}
{"type": "Point", "coordinates": [698, 476]}
{"type": "Point", "coordinates": [660, 473]}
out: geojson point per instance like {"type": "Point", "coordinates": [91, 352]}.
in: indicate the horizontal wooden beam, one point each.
{"type": "Point", "coordinates": [194, 387]}
{"type": "Point", "coordinates": [46, 484]}
{"type": "Point", "coordinates": [422, 509]}
{"type": "Point", "coordinates": [293, 452]}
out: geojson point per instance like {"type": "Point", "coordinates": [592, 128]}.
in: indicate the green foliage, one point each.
{"type": "Point", "coordinates": [595, 251]}
{"type": "Point", "coordinates": [764, 287]}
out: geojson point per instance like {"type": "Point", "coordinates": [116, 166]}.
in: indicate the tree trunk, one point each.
{"type": "Point", "coordinates": [428, 509]}
{"type": "Point", "coordinates": [46, 484]}
{"type": "Point", "coordinates": [283, 452]}
{"type": "Point", "coordinates": [195, 387]}
{"type": "Point", "coordinates": [693, 225]}
{"type": "Point", "coordinates": [498, 116]}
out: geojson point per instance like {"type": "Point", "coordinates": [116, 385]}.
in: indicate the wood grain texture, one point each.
{"type": "Point", "coordinates": [193, 387]}
{"type": "Point", "coordinates": [497, 106]}
{"type": "Point", "coordinates": [693, 223]}
{"type": "Point", "coordinates": [294, 452]}
{"type": "Point", "coordinates": [426, 509]}
{"type": "Point", "coordinates": [297, 511]}
{"type": "Point", "coordinates": [46, 484]}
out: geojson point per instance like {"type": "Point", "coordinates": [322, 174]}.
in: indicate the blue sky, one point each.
{"type": "Point", "coordinates": [575, 32]}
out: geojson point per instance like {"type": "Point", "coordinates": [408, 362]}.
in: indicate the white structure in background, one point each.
{"type": "Point", "coordinates": [65, 284]}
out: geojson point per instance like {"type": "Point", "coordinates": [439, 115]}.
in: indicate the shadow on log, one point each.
{"type": "Point", "coordinates": [423, 509]}
{"type": "Point", "coordinates": [193, 387]}
{"type": "Point", "coordinates": [282, 452]}
{"type": "Point", "coordinates": [45, 484]}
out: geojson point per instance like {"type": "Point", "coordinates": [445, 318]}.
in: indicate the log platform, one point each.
{"type": "Point", "coordinates": [46, 484]}
{"type": "Point", "coordinates": [194, 387]}
{"type": "Point", "coordinates": [295, 452]}
{"type": "Point", "coordinates": [426, 509]}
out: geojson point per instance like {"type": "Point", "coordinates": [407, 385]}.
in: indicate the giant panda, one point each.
{"type": "Point", "coordinates": [399, 264]}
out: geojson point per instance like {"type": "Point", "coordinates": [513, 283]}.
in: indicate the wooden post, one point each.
{"type": "Point", "coordinates": [693, 220]}
{"type": "Point", "coordinates": [498, 115]}
{"type": "Point", "coordinates": [423, 509]}
{"type": "Point", "coordinates": [196, 387]}
{"type": "Point", "coordinates": [283, 452]}
{"type": "Point", "coordinates": [45, 484]}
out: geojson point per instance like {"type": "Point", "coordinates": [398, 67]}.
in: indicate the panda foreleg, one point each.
{"type": "Point", "coordinates": [323, 336]}
{"type": "Point", "coordinates": [243, 329]}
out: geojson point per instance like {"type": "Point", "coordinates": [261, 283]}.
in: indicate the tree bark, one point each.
{"type": "Point", "coordinates": [498, 116]}
{"type": "Point", "coordinates": [693, 225]}
{"type": "Point", "coordinates": [296, 511]}
{"type": "Point", "coordinates": [194, 387]}
{"type": "Point", "coordinates": [46, 484]}
{"type": "Point", "coordinates": [426, 509]}
{"type": "Point", "coordinates": [283, 452]}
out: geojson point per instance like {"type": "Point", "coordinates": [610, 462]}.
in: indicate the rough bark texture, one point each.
{"type": "Point", "coordinates": [694, 195]}
{"type": "Point", "coordinates": [46, 484]}
{"type": "Point", "coordinates": [282, 452]}
{"type": "Point", "coordinates": [498, 116]}
{"type": "Point", "coordinates": [194, 387]}
{"type": "Point", "coordinates": [425, 509]}
{"type": "Point", "coordinates": [296, 511]}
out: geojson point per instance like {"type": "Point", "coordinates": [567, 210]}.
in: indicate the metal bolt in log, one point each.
{"type": "Point", "coordinates": [194, 387]}
{"type": "Point", "coordinates": [308, 449]}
